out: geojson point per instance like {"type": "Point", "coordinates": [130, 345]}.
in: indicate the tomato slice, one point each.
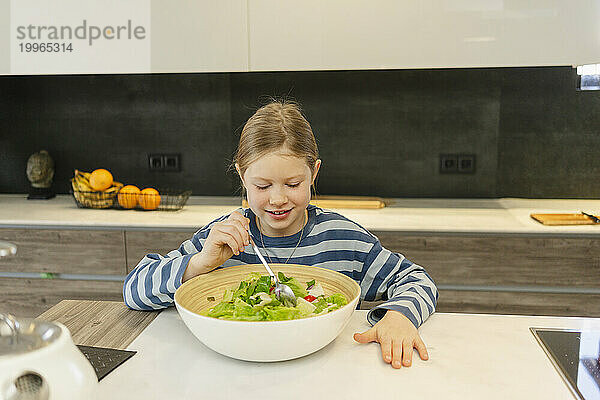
{"type": "Point", "coordinates": [310, 298]}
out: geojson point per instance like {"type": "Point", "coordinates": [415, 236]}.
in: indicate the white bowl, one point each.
{"type": "Point", "coordinates": [264, 341]}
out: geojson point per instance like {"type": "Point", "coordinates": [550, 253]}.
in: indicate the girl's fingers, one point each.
{"type": "Point", "coordinates": [224, 235]}
{"type": "Point", "coordinates": [231, 243]}
{"type": "Point", "coordinates": [242, 223]}
{"type": "Point", "coordinates": [397, 353]}
{"type": "Point", "coordinates": [386, 350]}
{"type": "Point", "coordinates": [421, 348]}
{"type": "Point", "coordinates": [366, 337]}
{"type": "Point", "coordinates": [234, 230]}
{"type": "Point", "coordinates": [243, 231]}
{"type": "Point", "coordinates": [236, 216]}
{"type": "Point", "coordinates": [407, 350]}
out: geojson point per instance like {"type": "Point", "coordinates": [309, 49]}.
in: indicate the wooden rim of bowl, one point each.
{"type": "Point", "coordinates": [218, 280]}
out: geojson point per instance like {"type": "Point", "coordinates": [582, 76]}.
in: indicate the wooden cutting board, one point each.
{"type": "Point", "coordinates": [343, 202]}
{"type": "Point", "coordinates": [563, 219]}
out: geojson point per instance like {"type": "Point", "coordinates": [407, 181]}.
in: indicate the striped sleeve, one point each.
{"type": "Point", "coordinates": [402, 285]}
{"type": "Point", "coordinates": [153, 282]}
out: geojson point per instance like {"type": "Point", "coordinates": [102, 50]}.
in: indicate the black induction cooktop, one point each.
{"type": "Point", "coordinates": [575, 354]}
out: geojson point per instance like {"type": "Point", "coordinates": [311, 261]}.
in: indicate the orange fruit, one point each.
{"type": "Point", "coordinates": [128, 196]}
{"type": "Point", "coordinates": [100, 179]}
{"type": "Point", "coordinates": [149, 199]}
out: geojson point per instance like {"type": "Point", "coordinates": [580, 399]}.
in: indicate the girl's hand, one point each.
{"type": "Point", "coordinates": [225, 239]}
{"type": "Point", "coordinates": [397, 337]}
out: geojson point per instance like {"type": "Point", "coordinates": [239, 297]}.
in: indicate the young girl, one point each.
{"type": "Point", "coordinates": [277, 161]}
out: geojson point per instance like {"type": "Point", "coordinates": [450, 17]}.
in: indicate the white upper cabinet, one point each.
{"type": "Point", "coordinates": [282, 35]}
{"type": "Point", "coordinates": [133, 36]}
{"type": "Point", "coordinates": [353, 34]}
{"type": "Point", "coordinates": [199, 36]}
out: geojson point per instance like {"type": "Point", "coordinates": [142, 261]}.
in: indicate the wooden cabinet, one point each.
{"type": "Point", "coordinates": [94, 261]}
{"type": "Point", "coordinates": [75, 254]}
{"type": "Point", "coordinates": [508, 274]}
{"type": "Point", "coordinates": [96, 252]}
{"type": "Point", "coordinates": [519, 303]}
{"type": "Point", "coordinates": [25, 297]}
{"type": "Point", "coordinates": [140, 243]}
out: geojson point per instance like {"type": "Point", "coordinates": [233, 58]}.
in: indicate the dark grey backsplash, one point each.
{"type": "Point", "coordinates": [379, 132]}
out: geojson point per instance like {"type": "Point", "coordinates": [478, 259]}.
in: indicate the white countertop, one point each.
{"type": "Point", "coordinates": [471, 357]}
{"type": "Point", "coordinates": [504, 216]}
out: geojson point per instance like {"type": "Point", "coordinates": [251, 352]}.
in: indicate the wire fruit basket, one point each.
{"type": "Point", "coordinates": [166, 200]}
{"type": "Point", "coordinates": [85, 199]}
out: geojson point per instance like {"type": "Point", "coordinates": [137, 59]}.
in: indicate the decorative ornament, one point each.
{"type": "Point", "coordinates": [40, 171]}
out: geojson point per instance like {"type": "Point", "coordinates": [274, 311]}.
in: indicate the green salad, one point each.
{"type": "Point", "coordinates": [254, 300]}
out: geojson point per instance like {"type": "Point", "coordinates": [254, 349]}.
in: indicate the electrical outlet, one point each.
{"type": "Point", "coordinates": [172, 162]}
{"type": "Point", "coordinates": [466, 163]}
{"type": "Point", "coordinates": [155, 162]}
{"type": "Point", "coordinates": [448, 163]}
{"type": "Point", "coordinates": [164, 162]}
{"type": "Point", "coordinates": [457, 163]}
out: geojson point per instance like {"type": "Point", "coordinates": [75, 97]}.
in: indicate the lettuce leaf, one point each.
{"type": "Point", "coordinates": [281, 313]}
{"type": "Point", "coordinates": [245, 312]}
{"type": "Point", "coordinates": [222, 309]}
{"type": "Point", "coordinates": [297, 287]}
{"type": "Point", "coordinates": [320, 304]}
{"type": "Point", "coordinates": [338, 299]}
{"type": "Point", "coordinates": [282, 278]}
{"type": "Point", "coordinates": [263, 285]}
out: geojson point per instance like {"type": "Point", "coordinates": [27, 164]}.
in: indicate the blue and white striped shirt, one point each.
{"type": "Point", "coordinates": [329, 240]}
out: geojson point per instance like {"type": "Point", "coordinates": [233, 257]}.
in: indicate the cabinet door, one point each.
{"type": "Point", "coordinates": [140, 243]}
{"type": "Point", "coordinates": [519, 303]}
{"type": "Point", "coordinates": [199, 36]}
{"type": "Point", "coordinates": [181, 36]}
{"type": "Point", "coordinates": [65, 251]}
{"type": "Point", "coordinates": [508, 275]}
{"type": "Point", "coordinates": [357, 34]}
{"type": "Point", "coordinates": [502, 261]}
{"type": "Point", "coordinates": [30, 297]}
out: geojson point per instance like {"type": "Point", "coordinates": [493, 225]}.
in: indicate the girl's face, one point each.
{"type": "Point", "coordinates": [278, 188]}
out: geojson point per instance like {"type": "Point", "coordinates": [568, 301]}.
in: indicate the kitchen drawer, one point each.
{"type": "Point", "coordinates": [65, 251]}
{"type": "Point", "coordinates": [520, 303]}
{"type": "Point", "coordinates": [30, 297]}
{"type": "Point", "coordinates": [140, 243]}
{"type": "Point", "coordinates": [489, 260]}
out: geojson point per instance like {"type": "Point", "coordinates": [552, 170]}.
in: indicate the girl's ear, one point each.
{"type": "Point", "coordinates": [237, 168]}
{"type": "Point", "coordinates": [317, 166]}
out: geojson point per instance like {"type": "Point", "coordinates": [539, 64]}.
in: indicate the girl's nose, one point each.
{"type": "Point", "coordinates": [277, 199]}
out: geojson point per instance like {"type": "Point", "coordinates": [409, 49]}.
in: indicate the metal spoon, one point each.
{"type": "Point", "coordinates": [283, 292]}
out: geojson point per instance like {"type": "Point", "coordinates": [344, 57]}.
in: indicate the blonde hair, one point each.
{"type": "Point", "coordinates": [277, 125]}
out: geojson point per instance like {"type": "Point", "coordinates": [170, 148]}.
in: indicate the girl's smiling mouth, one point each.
{"type": "Point", "coordinates": [279, 214]}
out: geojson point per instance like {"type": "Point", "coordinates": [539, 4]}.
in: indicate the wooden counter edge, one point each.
{"type": "Point", "coordinates": [100, 323]}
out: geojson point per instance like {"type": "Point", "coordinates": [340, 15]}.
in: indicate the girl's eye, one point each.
{"type": "Point", "coordinates": [293, 185]}
{"type": "Point", "coordinates": [261, 187]}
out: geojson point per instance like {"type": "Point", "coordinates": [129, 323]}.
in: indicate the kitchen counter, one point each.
{"type": "Point", "coordinates": [471, 356]}
{"type": "Point", "coordinates": [479, 216]}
